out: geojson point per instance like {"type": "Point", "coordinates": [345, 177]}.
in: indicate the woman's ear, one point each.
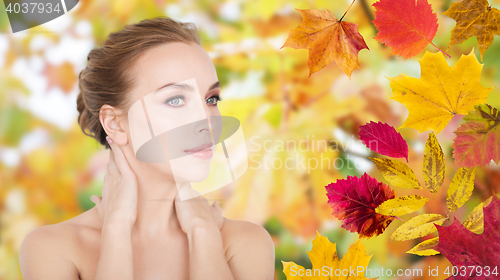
{"type": "Point", "coordinates": [112, 122]}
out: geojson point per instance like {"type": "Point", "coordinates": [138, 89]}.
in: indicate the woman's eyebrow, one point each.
{"type": "Point", "coordinates": [186, 86]}
{"type": "Point", "coordinates": [215, 85]}
{"type": "Point", "coordinates": [176, 85]}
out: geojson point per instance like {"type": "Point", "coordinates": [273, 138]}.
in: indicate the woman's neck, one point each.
{"type": "Point", "coordinates": [155, 204]}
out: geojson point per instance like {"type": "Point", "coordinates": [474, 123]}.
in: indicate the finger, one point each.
{"type": "Point", "coordinates": [96, 199]}
{"type": "Point", "coordinates": [216, 206]}
{"type": "Point", "coordinates": [119, 157]}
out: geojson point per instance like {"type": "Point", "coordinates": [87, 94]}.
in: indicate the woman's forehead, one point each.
{"type": "Point", "coordinates": [173, 63]}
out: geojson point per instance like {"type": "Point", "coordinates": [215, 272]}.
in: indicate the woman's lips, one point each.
{"type": "Point", "coordinates": [204, 151]}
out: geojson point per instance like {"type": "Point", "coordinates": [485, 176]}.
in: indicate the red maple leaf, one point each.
{"type": "Point", "coordinates": [407, 26]}
{"type": "Point", "coordinates": [465, 248]}
{"type": "Point", "coordinates": [354, 200]}
{"type": "Point", "coordinates": [383, 139]}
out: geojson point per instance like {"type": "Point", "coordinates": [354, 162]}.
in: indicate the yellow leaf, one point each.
{"type": "Point", "coordinates": [356, 257]}
{"type": "Point", "coordinates": [474, 18]}
{"type": "Point", "coordinates": [461, 188]}
{"type": "Point", "coordinates": [418, 226]}
{"type": "Point", "coordinates": [292, 269]}
{"type": "Point", "coordinates": [397, 173]}
{"type": "Point", "coordinates": [324, 253]}
{"type": "Point", "coordinates": [475, 220]}
{"type": "Point", "coordinates": [441, 92]}
{"type": "Point", "coordinates": [433, 164]}
{"type": "Point", "coordinates": [425, 248]}
{"type": "Point", "coordinates": [401, 205]}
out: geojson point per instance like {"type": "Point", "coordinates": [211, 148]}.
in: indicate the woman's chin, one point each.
{"type": "Point", "coordinates": [193, 175]}
{"type": "Point", "coordinates": [185, 170]}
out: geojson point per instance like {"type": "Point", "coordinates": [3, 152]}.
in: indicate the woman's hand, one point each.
{"type": "Point", "coordinates": [196, 211]}
{"type": "Point", "coordinates": [118, 204]}
{"type": "Point", "coordinates": [202, 224]}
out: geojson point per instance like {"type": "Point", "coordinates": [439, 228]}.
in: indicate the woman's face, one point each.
{"type": "Point", "coordinates": [175, 93]}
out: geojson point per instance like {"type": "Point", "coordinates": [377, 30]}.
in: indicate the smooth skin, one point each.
{"type": "Point", "coordinates": [139, 228]}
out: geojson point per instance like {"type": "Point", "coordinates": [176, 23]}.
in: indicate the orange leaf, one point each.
{"type": "Point", "coordinates": [62, 75]}
{"type": "Point", "coordinates": [327, 40]}
{"type": "Point", "coordinates": [474, 18]}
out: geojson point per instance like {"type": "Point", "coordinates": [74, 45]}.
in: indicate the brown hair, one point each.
{"type": "Point", "coordinates": [107, 77]}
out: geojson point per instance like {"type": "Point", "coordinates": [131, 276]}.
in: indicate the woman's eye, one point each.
{"type": "Point", "coordinates": [213, 100]}
{"type": "Point", "coordinates": [175, 101]}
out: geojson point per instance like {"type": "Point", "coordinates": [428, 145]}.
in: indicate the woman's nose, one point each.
{"type": "Point", "coordinates": [202, 126]}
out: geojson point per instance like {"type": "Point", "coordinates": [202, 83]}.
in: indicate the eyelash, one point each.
{"type": "Point", "coordinates": [216, 97]}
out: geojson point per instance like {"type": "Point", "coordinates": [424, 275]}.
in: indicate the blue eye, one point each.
{"type": "Point", "coordinates": [176, 101]}
{"type": "Point", "coordinates": [213, 100]}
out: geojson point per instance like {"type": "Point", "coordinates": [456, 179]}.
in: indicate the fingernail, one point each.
{"type": "Point", "coordinates": [92, 198]}
{"type": "Point", "coordinates": [216, 203]}
{"type": "Point", "coordinates": [110, 141]}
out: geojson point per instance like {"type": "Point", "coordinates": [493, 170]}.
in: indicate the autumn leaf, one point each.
{"type": "Point", "coordinates": [377, 105]}
{"type": "Point", "coordinates": [397, 173]}
{"type": "Point", "coordinates": [477, 140]}
{"type": "Point", "coordinates": [465, 248]}
{"type": "Point", "coordinates": [383, 139]}
{"type": "Point", "coordinates": [418, 226]}
{"type": "Point", "coordinates": [407, 26]}
{"type": "Point", "coordinates": [401, 205]}
{"type": "Point", "coordinates": [475, 220]}
{"type": "Point", "coordinates": [460, 188]}
{"type": "Point", "coordinates": [441, 92]}
{"type": "Point", "coordinates": [276, 24]}
{"type": "Point", "coordinates": [425, 248]}
{"type": "Point", "coordinates": [62, 75]}
{"type": "Point", "coordinates": [474, 18]}
{"type": "Point", "coordinates": [324, 254]}
{"type": "Point", "coordinates": [327, 40]}
{"type": "Point", "coordinates": [433, 164]}
{"type": "Point", "coordinates": [354, 200]}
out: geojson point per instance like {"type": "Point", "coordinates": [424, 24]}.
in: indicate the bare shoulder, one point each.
{"type": "Point", "coordinates": [248, 245]}
{"type": "Point", "coordinates": [61, 234]}
{"type": "Point", "coordinates": [239, 231]}
{"type": "Point", "coordinates": [48, 252]}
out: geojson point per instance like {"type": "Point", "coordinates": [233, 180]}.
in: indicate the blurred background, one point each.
{"type": "Point", "coordinates": [49, 168]}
